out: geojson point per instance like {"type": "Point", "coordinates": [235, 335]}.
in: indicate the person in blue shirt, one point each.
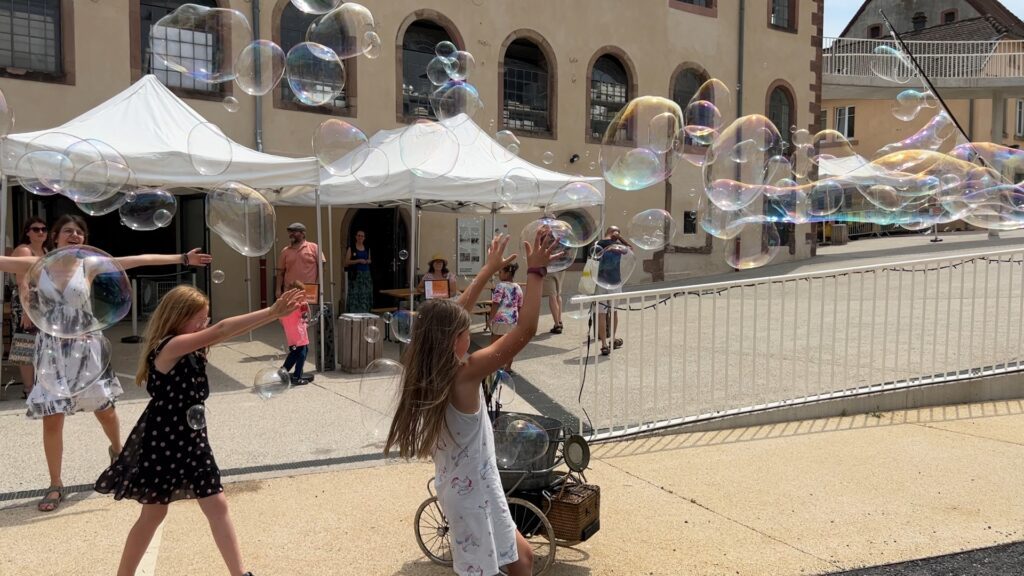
{"type": "Point", "coordinates": [609, 273]}
{"type": "Point", "coordinates": [360, 284]}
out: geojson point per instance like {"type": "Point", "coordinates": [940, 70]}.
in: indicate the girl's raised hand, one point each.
{"type": "Point", "coordinates": [496, 254]}
{"type": "Point", "coordinates": [196, 259]}
{"type": "Point", "coordinates": [545, 248]}
{"type": "Point", "coordinates": [288, 302]}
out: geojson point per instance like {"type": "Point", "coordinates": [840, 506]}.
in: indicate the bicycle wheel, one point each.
{"type": "Point", "coordinates": [535, 527]}
{"type": "Point", "coordinates": [432, 532]}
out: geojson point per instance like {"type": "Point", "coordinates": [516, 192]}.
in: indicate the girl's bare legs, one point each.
{"type": "Point", "coordinates": [53, 447]}
{"type": "Point", "coordinates": [524, 565]}
{"type": "Point", "coordinates": [216, 510]}
{"type": "Point", "coordinates": [139, 537]}
{"type": "Point", "coordinates": [28, 375]}
{"type": "Point", "coordinates": [111, 427]}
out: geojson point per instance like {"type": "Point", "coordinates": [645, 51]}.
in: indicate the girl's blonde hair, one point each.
{"type": "Point", "coordinates": [174, 310]}
{"type": "Point", "coordinates": [430, 371]}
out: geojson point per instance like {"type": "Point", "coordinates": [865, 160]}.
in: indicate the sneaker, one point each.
{"type": "Point", "coordinates": [299, 381]}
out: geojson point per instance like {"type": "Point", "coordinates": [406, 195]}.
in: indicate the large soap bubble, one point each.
{"type": "Point", "coordinates": [429, 149]}
{"type": "Point", "coordinates": [343, 30]}
{"type": "Point", "coordinates": [889, 63]}
{"type": "Point", "coordinates": [563, 235]}
{"type": "Point", "coordinates": [757, 246]}
{"type": "Point", "coordinates": [102, 207]}
{"type": "Point", "coordinates": [374, 167]}
{"type": "Point", "coordinates": [44, 172]}
{"type": "Point", "coordinates": [506, 146]}
{"type": "Point", "coordinates": [461, 65]}
{"type": "Point", "coordinates": [76, 290]}
{"type": "Point", "coordinates": [315, 73]}
{"type": "Point", "coordinates": [242, 217]}
{"type": "Point", "coordinates": [147, 208]}
{"type": "Point", "coordinates": [653, 124]}
{"type": "Point", "coordinates": [519, 189]}
{"type": "Point", "coordinates": [270, 382]}
{"type": "Point", "coordinates": [379, 391]}
{"type": "Point", "coordinates": [184, 41]}
{"type": "Point", "coordinates": [333, 143]}
{"type": "Point", "coordinates": [209, 149]}
{"type": "Point", "coordinates": [578, 204]}
{"type": "Point", "coordinates": [437, 71]}
{"type": "Point", "coordinates": [651, 229]}
{"type": "Point", "coordinates": [69, 366]}
{"type": "Point", "coordinates": [519, 441]}
{"type": "Point", "coordinates": [316, 6]}
{"type": "Point", "coordinates": [454, 98]}
{"type": "Point", "coordinates": [266, 57]}
{"type": "Point", "coordinates": [616, 263]}
{"type": "Point", "coordinates": [401, 326]}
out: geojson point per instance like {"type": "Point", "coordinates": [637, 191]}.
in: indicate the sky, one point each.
{"type": "Point", "coordinates": [839, 12]}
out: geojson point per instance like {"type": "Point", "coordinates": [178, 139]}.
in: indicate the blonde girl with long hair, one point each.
{"type": "Point", "coordinates": [441, 414]}
{"type": "Point", "coordinates": [167, 456]}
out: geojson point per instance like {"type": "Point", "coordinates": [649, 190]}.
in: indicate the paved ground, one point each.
{"type": "Point", "coordinates": [992, 561]}
{"type": "Point", "coordinates": [312, 496]}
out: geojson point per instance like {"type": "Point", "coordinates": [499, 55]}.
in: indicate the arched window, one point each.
{"type": "Point", "coordinates": [527, 96]}
{"type": "Point", "coordinates": [32, 45]}
{"type": "Point", "coordinates": [609, 93]}
{"type": "Point", "coordinates": [782, 113]}
{"type": "Point", "coordinates": [293, 26]}
{"type": "Point", "coordinates": [418, 49]}
{"type": "Point", "coordinates": [685, 85]}
{"type": "Point", "coordinates": [200, 45]}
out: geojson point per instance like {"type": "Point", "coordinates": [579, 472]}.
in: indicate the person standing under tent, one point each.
{"type": "Point", "coordinates": [360, 284]}
{"type": "Point", "coordinates": [298, 260]}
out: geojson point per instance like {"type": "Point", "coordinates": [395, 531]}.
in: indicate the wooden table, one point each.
{"type": "Point", "coordinates": [401, 292]}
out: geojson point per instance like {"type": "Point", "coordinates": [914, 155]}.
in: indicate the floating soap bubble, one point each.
{"type": "Point", "coordinates": [374, 46]}
{"type": "Point", "coordinates": [883, 196]}
{"type": "Point", "coordinates": [519, 189]}
{"type": "Point", "coordinates": [501, 387]}
{"type": "Point", "coordinates": [716, 92]}
{"type": "Point", "coordinates": [801, 137]}
{"type": "Point", "coordinates": [271, 382]}
{"type": "Point", "coordinates": [908, 104]}
{"type": "Point", "coordinates": [44, 172]}
{"type": "Point", "coordinates": [615, 266]}
{"type": "Point", "coordinates": [97, 181]}
{"type": "Point", "coordinates": [825, 198]}
{"type": "Point", "coordinates": [506, 451]}
{"type": "Point", "coordinates": [651, 229]}
{"type": "Point", "coordinates": [76, 290]}
{"type": "Point", "coordinates": [316, 6]}
{"type": "Point", "coordinates": [374, 167]}
{"type": "Point", "coordinates": [634, 167]}
{"type": "Point", "coordinates": [172, 38]}
{"type": "Point", "coordinates": [196, 417]}
{"type": "Point", "coordinates": [563, 235]}
{"type": "Point", "coordinates": [102, 207]}
{"type": "Point", "coordinates": [454, 98]}
{"type": "Point", "coordinates": [791, 203]}
{"type": "Point", "coordinates": [140, 213]}
{"type": "Point", "coordinates": [461, 65]}
{"type": "Point", "coordinates": [231, 104]}
{"type": "Point", "coordinates": [403, 254]}
{"type": "Point", "coordinates": [315, 73]}
{"type": "Point", "coordinates": [333, 141]}
{"type": "Point", "coordinates": [578, 204]}
{"type": "Point", "coordinates": [507, 146]}
{"type": "Point", "coordinates": [401, 326]}
{"type": "Point", "coordinates": [429, 149]}
{"type": "Point", "coordinates": [445, 50]}
{"type": "Point", "coordinates": [209, 149]}
{"type": "Point", "coordinates": [738, 158]}
{"type": "Point", "coordinates": [162, 218]}
{"type": "Point", "coordinates": [931, 136]}
{"type": "Point", "coordinates": [733, 195]}
{"type": "Point", "coordinates": [266, 57]}
{"type": "Point", "coordinates": [217, 276]}
{"type": "Point", "coordinates": [72, 365]}
{"type": "Point", "coordinates": [595, 252]}
{"type": "Point", "coordinates": [242, 217]}
{"type": "Point", "coordinates": [719, 223]}
{"type": "Point", "coordinates": [889, 63]}
{"type": "Point", "coordinates": [343, 30]}
{"type": "Point", "coordinates": [437, 71]}
{"type": "Point", "coordinates": [701, 122]}
{"type": "Point", "coordinates": [372, 334]}
{"type": "Point", "coordinates": [548, 158]}
{"type": "Point", "coordinates": [530, 437]}
{"type": "Point", "coordinates": [778, 168]}
{"type": "Point", "coordinates": [380, 388]}
{"type": "Point", "coordinates": [6, 116]}
{"type": "Point", "coordinates": [757, 246]}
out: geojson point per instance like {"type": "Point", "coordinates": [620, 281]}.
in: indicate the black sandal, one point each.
{"type": "Point", "coordinates": [47, 501]}
{"type": "Point", "coordinates": [618, 343]}
{"type": "Point", "coordinates": [557, 329]}
{"type": "Point", "coordinates": [605, 350]}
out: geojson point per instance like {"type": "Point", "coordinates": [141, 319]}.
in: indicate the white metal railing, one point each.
{"type": "Point", "coordinates": [699, 352]}
{"type": "Point", "coordinates": [965, 60]}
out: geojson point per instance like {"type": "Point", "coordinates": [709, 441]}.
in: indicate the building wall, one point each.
{"type": "Point", "coordinates": [901, 14]}
{"type": "Point", "coordinates": [656, 35]}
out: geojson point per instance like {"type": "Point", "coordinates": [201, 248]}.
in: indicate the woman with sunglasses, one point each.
{"type": "Point", "coordinates": [33, 243]}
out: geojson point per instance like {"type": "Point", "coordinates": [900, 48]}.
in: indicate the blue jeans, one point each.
{"type": "Point", "coordinates": [297, 358]}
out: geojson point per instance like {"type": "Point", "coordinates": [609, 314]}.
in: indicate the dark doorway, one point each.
{"type": "Point", "coordinates": [386, 236]}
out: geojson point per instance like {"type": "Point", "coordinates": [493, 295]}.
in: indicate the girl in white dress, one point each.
{"type": "Point", "coordinates": [58, 361]}
{"type": "Point", "coordinates": [441, 414]}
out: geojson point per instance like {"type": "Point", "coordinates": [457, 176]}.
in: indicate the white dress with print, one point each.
{"type": "Point", "coordinates": [469, 490]}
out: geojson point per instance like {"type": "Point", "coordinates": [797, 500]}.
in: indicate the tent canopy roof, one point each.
{"type": "Point", "coordinates": [149, 127]}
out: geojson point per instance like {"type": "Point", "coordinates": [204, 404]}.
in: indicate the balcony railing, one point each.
{"type": "Point", "coordinates": [939, 60]}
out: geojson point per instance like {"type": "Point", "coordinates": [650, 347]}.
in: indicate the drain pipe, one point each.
{"type": "Point", "coordinates": [259, 99]}
{"type": "Point", "coordinates": [739, 60]}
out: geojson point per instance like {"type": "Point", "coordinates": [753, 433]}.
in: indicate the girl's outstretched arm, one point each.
{"type": "Point", "coordinates": [17, 264]}
{"type": "Point", "coordinates": [230, 327]}
{"type": "Point", "coordinates": [192, 258]}
{"type": "Point", "coordinates": [495, 261]}
{"type": "Point", "coordinates": [487, 360]}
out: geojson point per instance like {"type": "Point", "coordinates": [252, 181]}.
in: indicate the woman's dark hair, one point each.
{"type": "Point", "coordinates": [511, 269]}
{"type": "Point", "coordinates": [28, 224]}
{"type": "Point", "coordinates": [67, 219]}
{"type": "Point", "coordinates": [444, 269]}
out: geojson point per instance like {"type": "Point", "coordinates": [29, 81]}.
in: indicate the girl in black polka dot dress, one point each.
{"type": "Point", "coordinates": [165, 459]}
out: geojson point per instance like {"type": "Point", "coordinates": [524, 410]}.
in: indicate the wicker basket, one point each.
{"type": "Point", "coordinates": [575, 511]}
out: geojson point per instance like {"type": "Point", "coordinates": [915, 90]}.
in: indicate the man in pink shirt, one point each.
{"type": "Point", "coordinates": [298, 260]}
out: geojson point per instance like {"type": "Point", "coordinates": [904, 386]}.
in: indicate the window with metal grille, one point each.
{"type": "Point", "coordinates": [195, 47]}
{"type": "Point", "coordinates": [30, 35]}
{"type": "Point", "coordinates": [1020, 118]}
{"type": "Point", "coordinates": [294, 24]}
{"type": "Point", "coordinates": [949, 16]}
{"type": "Point", "coordinates": [609, 92]}
{"type": "Point", "coordinates": [780, 112]}
{"type": "Point", "coordinates": [686, 84]}
{"type": "Point", "coordinates": [844, 120]}
{"type": "Point", "coordinates": [527, 101]}
{"type": "Point", "coordinates": [875, 31]}
{"type": "Point", "coordinates": [418, 49]}
{"type": "Point", "coordinates": [781, 16]}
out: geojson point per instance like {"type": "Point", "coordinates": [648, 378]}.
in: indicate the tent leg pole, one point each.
{"type": "Point", "coordinates": [320, 278]}
{"type": "Point", "coordinates": [412, 257]}
{"type": "Point", "coordinates": [330, 242]}
{"type": "Point", "coordinates": [248, 290]}
{"type": "Point", "coordinates": [3, 250]}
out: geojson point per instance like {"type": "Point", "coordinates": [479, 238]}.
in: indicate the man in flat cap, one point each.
{"type": "Point", "coordinates": [298, 259]}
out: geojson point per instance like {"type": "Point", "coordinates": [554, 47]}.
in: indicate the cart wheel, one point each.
{"type": "Point", "coordinates": [537, 530]}
{"type": "Point", "coordinates": [432, 532]}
